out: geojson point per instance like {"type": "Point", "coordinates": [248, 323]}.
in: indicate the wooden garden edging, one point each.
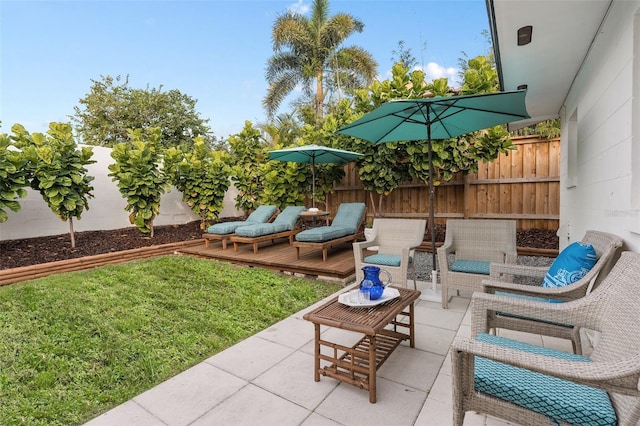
{"type": "Point", "coordinates": [9, 276]}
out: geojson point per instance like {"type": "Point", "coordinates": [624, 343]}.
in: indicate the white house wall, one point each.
{"type": "Point", "coordinates": [602, 98]}
{"type": "Point", "coordinates": [106, 209]}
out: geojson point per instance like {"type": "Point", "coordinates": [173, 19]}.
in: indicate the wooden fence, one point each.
{"type": "Point", "coordinates": [523, 185]}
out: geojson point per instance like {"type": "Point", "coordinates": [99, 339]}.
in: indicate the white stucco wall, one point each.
{"type": "Point", "coordinates": [106, 209]}
{"type": "Point", "coordinates": [599, 195]}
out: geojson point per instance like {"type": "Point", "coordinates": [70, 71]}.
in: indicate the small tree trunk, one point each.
{"type": "Point", "coordinates": [373, 204]}
{"type": "Point", "coordinates": [151, 227]}
{"type": "Point", "coordinates": [71, 233]}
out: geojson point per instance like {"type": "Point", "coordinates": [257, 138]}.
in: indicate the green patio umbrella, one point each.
{"type": "Point", "coordinates": [437, 118]}
{"type": "Point", "coordinates": [314, 154]}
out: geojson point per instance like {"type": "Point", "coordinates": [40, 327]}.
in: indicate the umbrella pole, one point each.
{"type": "Point", "coordinates": [432, 294]}
{"type": "Point", "coordinates": [313, 184]}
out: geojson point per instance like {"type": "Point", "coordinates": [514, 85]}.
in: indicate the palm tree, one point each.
{"type": "Point", "coordinates": [308, 49]}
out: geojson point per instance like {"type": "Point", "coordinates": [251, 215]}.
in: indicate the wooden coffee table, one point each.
{"type": "Point", "coordinates": [357, 365]}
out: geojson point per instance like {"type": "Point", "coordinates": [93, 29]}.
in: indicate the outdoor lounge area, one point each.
{"type": "Point", "coordinates": [267, 379]}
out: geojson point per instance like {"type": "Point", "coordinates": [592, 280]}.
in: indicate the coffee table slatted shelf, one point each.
{"type": "Point", "coordinates": [357, 365]}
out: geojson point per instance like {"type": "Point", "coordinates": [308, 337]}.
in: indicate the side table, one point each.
{"type": "Point", "coordinates": [358, 364]}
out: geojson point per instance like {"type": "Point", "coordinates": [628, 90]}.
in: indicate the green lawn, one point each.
{"type": "Point", "coordinates": [74, 345]}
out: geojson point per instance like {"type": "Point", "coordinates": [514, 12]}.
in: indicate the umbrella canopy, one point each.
{"type": "Point", "coordinates": [437, 118]}
{"type": "Point", "coordinates": [314, 154]}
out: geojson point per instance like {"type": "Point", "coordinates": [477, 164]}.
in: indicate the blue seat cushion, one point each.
{"type": "Point", "coordinates": [262, 214]}
{"type": "Point", "coordinates": [224, 228]}
{"type": "Point", "coordinates": [559, 400]}
{"type": "Point", "coordinates": [349, 215]}
{"type": "Point", "coordinates": [471, 266]}
{"type": "Point", "coordinates": [260, 229]}
{"type": "Point", "coordinates": [573, 263]}
{"type": "Point", "coordinates": [288, 217]}
{"type": "Point", "coordinates": [385, 259]}
{"type": "Point", "coordinates": [323, 233]}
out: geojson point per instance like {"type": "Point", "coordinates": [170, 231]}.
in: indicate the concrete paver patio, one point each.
{"type": "Point", "coordinates": [267, 379]}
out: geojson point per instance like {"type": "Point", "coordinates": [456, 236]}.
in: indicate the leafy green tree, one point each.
{"type": "Point", "coordinates": [307, 51]}
{"type": "Point", "coordinates": [545, 129]}
{"type": "Point", "coordinates": [202, 176]}
{"type": "Point", "coordinates": [480, 76]}
{"type": "Point", "coordinates": [112, 107]}
{"type": "Point", "coordinates": [386, 166]}
{"type": "Point", "coordinates": [282, 130]}
{"type": "Point", "coordinates": [140, 178]}
{"type": "Point", "coordinates": [13, 179]}
{"type": "Point", "coordinates": [57, 170]}
{"type": "Point", "coordinates": [249, 152]}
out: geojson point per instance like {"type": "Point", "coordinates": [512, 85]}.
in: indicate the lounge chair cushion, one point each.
{"type": "Point", "coordinates": [349, 215]}
{"type": "Point", "coordinates": [471, 266]}
{"type": "Point", "coordinates": [346, 222]}
{"type": "Point", "coordinates": [260, 215]}
{"type": "Point", "coordinates": [385, 259]}
{"type": "Point", "coordinates": [560, 400]}
{"type": "Point", "coordinates": [260, 229]}
{"type": "Point", "coordinates": [289, 216]}
{"type": "Point", "coordinates": [285, 221]}
{"type": "Point", "coordinates": [324, 233]}
{"type": "Point", "coordinates": [573, 263]}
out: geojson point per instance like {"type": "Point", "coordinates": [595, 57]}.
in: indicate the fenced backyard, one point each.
{"type": "Point", "coordinates": [523, 185]}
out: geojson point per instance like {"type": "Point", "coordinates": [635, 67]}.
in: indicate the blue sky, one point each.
{"type": "Point", "coordinates": [215, 51]}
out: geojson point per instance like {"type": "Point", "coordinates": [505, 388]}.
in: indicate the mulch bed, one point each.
{"type": "Point", "coordinates": [32, 251]}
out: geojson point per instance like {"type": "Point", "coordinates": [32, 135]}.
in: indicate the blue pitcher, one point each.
{"type": "Point", "coordinates": [371, 282]}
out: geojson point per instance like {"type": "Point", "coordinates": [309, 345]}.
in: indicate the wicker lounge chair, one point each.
{"type": "Point", "coordinates": [397, 240]}
{"type": "Point", "coordinates": [345, 227]}
{"type": "Point", "coordinates": [475, 244]}
{"type": "Point", "coordinates": [224, 230]}
{"type": "Point", "coordinates": [542, 389]}
{"type": "Point", "coordinates": [284, 226]}
{"type": "Point", "coordinates": [607, 247]}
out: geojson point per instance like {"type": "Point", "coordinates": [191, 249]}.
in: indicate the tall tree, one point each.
{"type": "Point", "coordinates": [141, 180]}
{"type": "Point", "coordinates": [307, 50]}
{"type": "Point", "coordinates": [202, 176]}
{"type": "Point", "coordinates": [13, 176]}
{"type": "Point", "coordinates": [56, 168]}
{"type": "Point", "coordinates": [111, 108]}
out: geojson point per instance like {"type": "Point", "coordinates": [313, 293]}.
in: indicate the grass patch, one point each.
{"type": "Point", "coordinates": [74, 345]}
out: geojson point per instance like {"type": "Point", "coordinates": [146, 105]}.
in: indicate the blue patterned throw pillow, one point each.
{"type": "Point", "coordinates": [573, 263]}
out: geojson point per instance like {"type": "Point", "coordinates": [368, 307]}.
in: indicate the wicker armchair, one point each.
{"type": "Point", "coordinates": [397, 240]}
{"type": "Point", "coordinates": [607, 247]}
{"type": "Point", "coordinates": [475, 244]}
{"type": "Point", "coordinates": [612, 367]}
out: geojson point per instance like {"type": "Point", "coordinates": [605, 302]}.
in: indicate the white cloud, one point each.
{"type": "Point", "coordinates": [434, 71]}
{"type": "Point", "coordinates": [300, 7]}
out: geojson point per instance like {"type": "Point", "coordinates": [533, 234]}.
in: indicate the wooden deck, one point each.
{"type": "Point", "coordinates": [281, 257]}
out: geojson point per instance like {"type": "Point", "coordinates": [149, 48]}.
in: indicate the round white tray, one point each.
{"type": "Point", "coordinates": [389, 293]}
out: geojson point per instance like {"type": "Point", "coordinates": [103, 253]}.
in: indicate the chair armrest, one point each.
{"type": "Point", "coordinates": [442, 252]}
{"type": "Point", "coordinates": [358, 248]}
{"type": "Point", "coordinates": [565, 293]}
{"type": "Point", "coordinates": [621, 375]}
{"type": "Point", "coordinates": [575, 312]}
{"type": "Point", "coordinates": [497, 270]}
{"type": "Point", "coordinates": [361, 245]}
